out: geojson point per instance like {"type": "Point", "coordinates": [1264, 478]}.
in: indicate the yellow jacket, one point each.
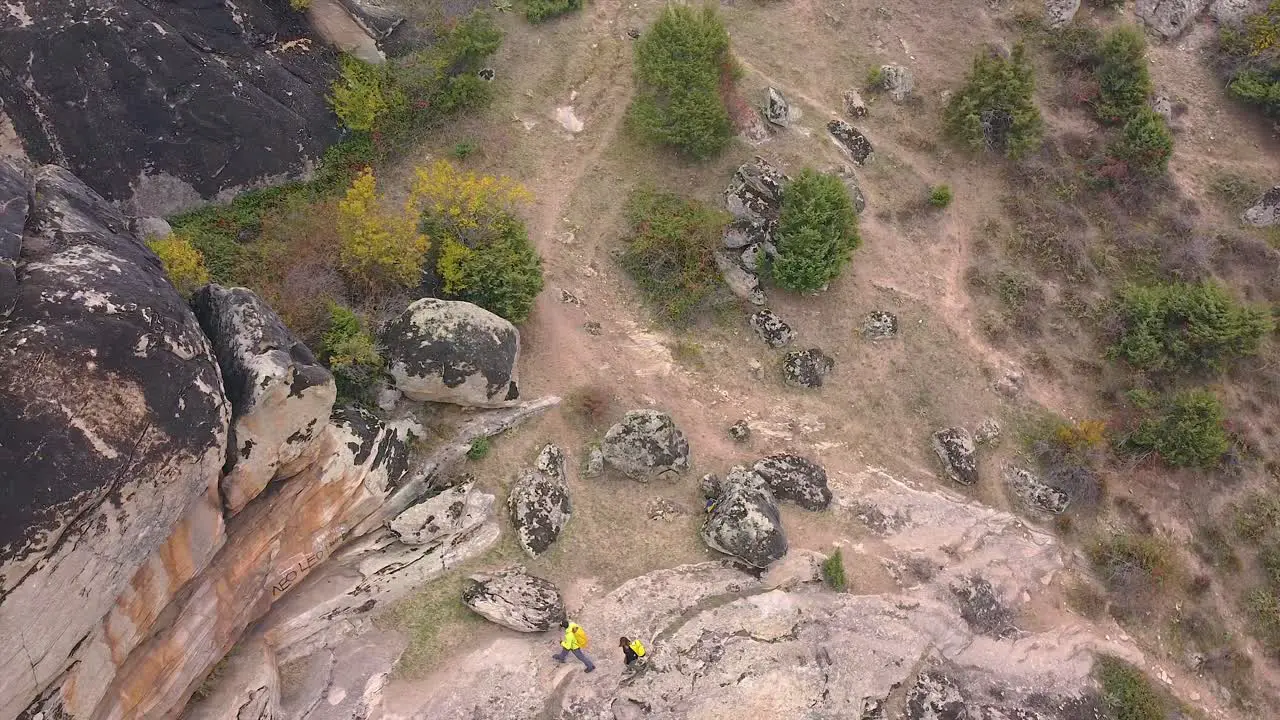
{"type": "Point", "coordinates": [570, 641]}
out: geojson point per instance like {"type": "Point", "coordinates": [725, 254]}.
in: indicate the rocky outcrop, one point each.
{"type": "Point", "coordinates": [454, 352]}
{"type": "Point", "coordinates": [645, 444]}
{"type": "Point", "coordinates": [852, 141]}
{"type": "Point", "coordinates": [248, 686]}
{"type": "Point", "coordinates": [794, 478]}
{"type": "Point", "coordinates": [515, 599]}
{"type": "Point", "coordinates": [1058, 13]}
{"type": "Point", "coordinates": [806, 368]}
{"type": "Point", "coordinates": [743, 521]}
{"type": "Point", "coordinates": [112, 416]}
{"type": "Point", "coordinates": [1265, 212]}
{"type": "Point", "coordinates": [1033, 493]}
{"type": "Point", "coordinates": [539, 502]}
{"type": "Point", "coordinates": [13, 216]}
{"type": "Point", "coordinates": [955, 450]}
{"type": "Point", "coordinates": [1170, 18]}
{"type": "Point", "coordinates": [454, 512]}
{"type": "Point", "coordinates": [160, 105]}
{"type": "Point", "coordinates": [777, 110]}
{"type": "Point", "coordinates": [773, 330]}
{"type": "Point", "coordinates": [280, 395]}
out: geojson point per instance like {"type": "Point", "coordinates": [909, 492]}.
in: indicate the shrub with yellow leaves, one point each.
{"type": "Point", "coordinates": [380, 250]}
{"type": "Point", "coordinates": [182, 262]}
{"type": "Point", "coordinates": [464, 205]}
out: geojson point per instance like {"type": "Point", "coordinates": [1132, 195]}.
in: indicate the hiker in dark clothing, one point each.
{"type": "Point", "coordinates": [632, 650]}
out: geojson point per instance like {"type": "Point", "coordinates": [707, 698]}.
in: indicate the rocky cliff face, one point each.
{"type": "Point", "coordinates": [135, 550]}
{"type": "Point", "coordinates": [157, 105]}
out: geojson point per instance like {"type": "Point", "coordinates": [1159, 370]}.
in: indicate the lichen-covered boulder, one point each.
{"type": "Point", "coordinates": [771, 328]}
{"type": "Point", "coordinates": [740, 281]}
{"type": "Point", "coordinates": [281, 396]}
{"type": "Point", "coordinates": [112, 421]}
{"type": "Point", "coordinates": [1035, 494]}
{"type": "Point", "coordinates": [851, 141]}
{"type": "Point", "coordinates": [879, 325]}
{"type": "Point", "coordinates": [806, 368]}
{"type": "Point", "coordinates": [1265, 212]}
{"type": "Point", "coordinates": [1169, 18]}
{"type": "Point", "coordinates": [740, 431]}
{"type": "Point", "coordinates": [515, 599]}
{"type": "Point", "coordinates": [744, 521]}
{"type": "Point", "coordinates": [453, 352]}
{"type": "Point", "coordinates": [794, 478]}
{"type": "Point", "coordinates": [754, 199]}
{"type": "Point", "coordinates": [1060, 12]}
{"type": "Point", "coordinates": [644, 445]}
{"type": "Point", "coordinates": [956, 451]}
{"type": "Point", "coordinates": [157, 106]}
{"type": "Point", "coordinates": [777, 110]}
{"type": "Point", "coordinates": [897, 80]}
{"type": "Point", "coordinates": [539, 502]}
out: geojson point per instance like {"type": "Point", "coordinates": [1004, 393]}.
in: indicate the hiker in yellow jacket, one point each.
{"type": "Point", "coordinates": [575, 639]}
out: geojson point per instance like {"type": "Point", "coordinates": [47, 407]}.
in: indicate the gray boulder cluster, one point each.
{"type": "Point", "coordinates": [743, 520]}
{"type": "Point", "coordinates": [754, 199]}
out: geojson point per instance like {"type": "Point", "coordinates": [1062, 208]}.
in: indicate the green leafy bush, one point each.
{"type": "Point", "coordinates": [352, 356]}
{"type": "Point", "coordinates": [994, 110]}
{"type": "Point", "coordinates": [1124, 84]}
{"type": "Point", "coordinates": [1130, 562]}
{"type": "Point", "coordinates": [817, 230]}
{"type": "Point", "coordinates": [671, 252]}
{"type": "Point", "coordinates": [1127, 692]}
{"type": "Point", "coordinates": [1144, 145]}
{"type": "Point", "coordinates": [678, 68]}
{"type": "Point", "coordinates": [502, 275]}
{"type": "Point", "coordinates": [1250, 56]}
{"type": "Point", "coordinates": [1178, 327]}
{"type": "Point", "coordinates": [479, 449]}
{"type": "Point", "coordinates": [537, 11]}
{"type": "Point", "coordinates": [1188, 432]}
{"type": "Point", "coordinates": [833, 571]}
{"type": "Point", "coordinates": [940, 196]}
{"type": "Point", "coordinates": [393, 102]}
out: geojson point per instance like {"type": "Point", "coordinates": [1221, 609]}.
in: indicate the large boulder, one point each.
{"type": "Point", "coordinates": [1170, 18]}
{"type": "Point", "coordinates": [453, 352]}
{"type": "Point", "coordinates": [743, 520]}
{"type": "Point", "coordinates": [852, 141]}
{"type": "Point", "coordinates": [162, 105]}
{"type": "Point", "coordinates": [280, 395]}
{"type": "Point", "coordinates": [806, 368]}
{"type": "Point", "coordinates": [794, 478]}
{"type": "Point", "coordinates": [772, 329]}
{"type": "Point", "coordinates": [515, 599]}
{"type": "Point", "coordinates": [112, 418]}
{"type": "Point", "coordinates": [897, 80]}
{"type": "Point", "coordinates": [539, 502]}
{"type": "Point", "coordinates": [754, 199]}
{"type": "Point", "coordinates": [1035, 494]}
{"type": "Point", "coordinates": [777, 110]}
{"type": "Point", "coordinates": [1058, 13]}
{"type": "Point", "coordinates": [956, 451]}
{"type": "Point", "coordinates": [645, 444]}
{"type": "Point", "coordinates": [1265, 212]}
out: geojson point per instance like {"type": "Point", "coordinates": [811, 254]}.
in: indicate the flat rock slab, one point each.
{"type": "Point", "coordinates": [515, 599]}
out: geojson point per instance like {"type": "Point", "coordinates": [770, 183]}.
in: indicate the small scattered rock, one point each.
{"type": "Point", "coordinates": [1035, 494]}
{"type": "Point", "coordinates": [709, 485]}
{"type": "Point", "coordinates": [1058, 13]}
{"type": "Point", "coordinates": [806, 368]}
{"type": "Point", "coordinates": [1265, 212]}
{"type": "Point", "coordinates": [955, 449]}
{"type": "Point", "coordinates": [756, 368]}
{"type": "Point", "coordinates": [854, 105]}
{"type": "Point", "coordinates": [595, 463]}
{"type": "Point", "coordinates": [644, 445]}
{"type": "Point", "coordinates": [858, 197]}
{"type": "Point", "coordinates": [1163, 106]}
{"type": "Point", "coordinates": [633, 33]}
{"type": "Point", "coordinates": [740, 431]}
{"type": "Point", "coordinates": [568, 120]}
{"type": "Point", "coordinates": [988, 433]}
{"type": "Point", "coordinates": [660, 508]}
{"type": "Point", "coordinates": [853, 142]}
{"type": "Point", "coordinates": [592, 327]}
{"type": "Point", "coordinates": [487, 74]}
{"type": "Point", "coordinates": [151, 228]}
{"type": "Point", "coordinates": [771, 328]}
{"type": "Point", "coordinates": [778, 109]}
{"type": "Point", "coordinates": [539, 502]}
{"type": "Point", "coordinates": [570, 298]}
{"type": "Point", "coordinates": [387, 398]}
{"type": "Point", "coordinates": [1169, 18]}
{"type": "Point", "coordinates": [740, 282]}
{"type": "Point", "coordinates": [515, 599]}
{"type": "Point", "coordinates": [879, 325]}
{"type": "Point", "coordinates": [744, 522]}
{"type": "Point", "coordinates": [1009, 384]}
{"type": "Point", "coordinates": [897, 81]}
{"type": "Point", "coordinates": [794, 478]}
